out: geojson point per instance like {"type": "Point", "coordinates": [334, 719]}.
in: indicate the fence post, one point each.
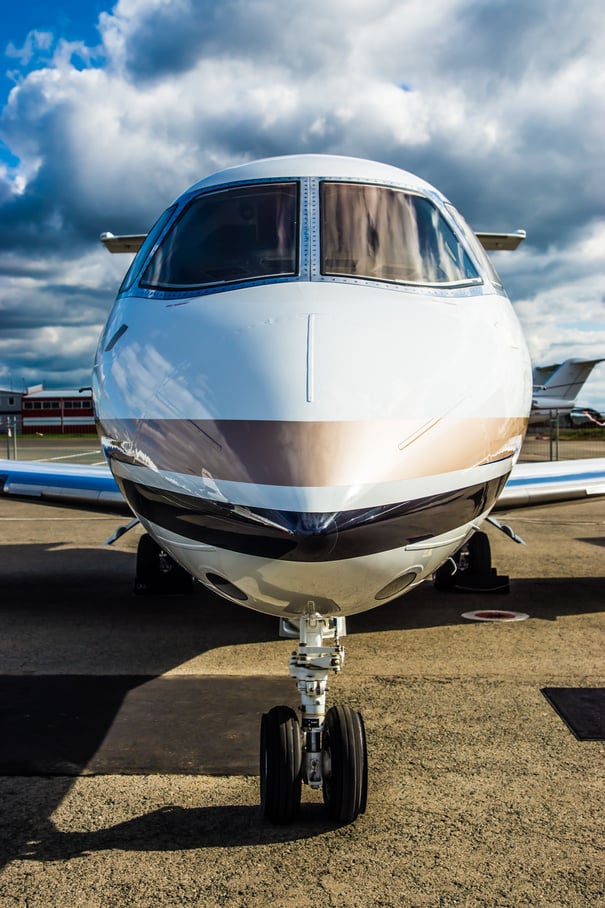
{"type": "Point", "coordinates": [553, 435]}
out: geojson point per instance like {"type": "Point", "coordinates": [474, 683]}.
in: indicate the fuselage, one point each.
{"type": "Point", "coordinates": [312, 385]}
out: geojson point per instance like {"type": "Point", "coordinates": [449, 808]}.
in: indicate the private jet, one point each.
{"type": "Point", "coordinates": [311, 391]}
{"type": "Point", "coordinates": [556, 387]}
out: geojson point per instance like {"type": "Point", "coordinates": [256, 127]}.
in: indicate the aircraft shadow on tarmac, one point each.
{"type": "Point", "coordinates": [85, 589]}
{"type": "Point", "coordinates": [173, 828]}
{"type": "Point", "coordinates": [97, 582]}
{"type": "Point", "coordinates": [543, 598]}
{"type": "Point", "coordinates": [595, 540]}
{"type": "Point", "coordinates": [69, 612]}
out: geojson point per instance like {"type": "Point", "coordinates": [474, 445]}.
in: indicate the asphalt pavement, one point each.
{"type": "Point", "coordinates": [480, 794]}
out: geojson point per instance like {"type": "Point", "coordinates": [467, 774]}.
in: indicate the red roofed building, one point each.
{"type": "Point", "coordinates": [57, 412]}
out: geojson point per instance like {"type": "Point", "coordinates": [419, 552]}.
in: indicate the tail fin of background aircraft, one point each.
{"type": "Point", "coordinates": [563, 382]}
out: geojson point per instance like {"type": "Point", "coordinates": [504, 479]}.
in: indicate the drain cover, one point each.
{"type": "Point", "coordinates": [495, 615]}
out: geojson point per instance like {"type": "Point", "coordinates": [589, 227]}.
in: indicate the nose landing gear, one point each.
{"type": "Point", "coordinates": [327, 750]}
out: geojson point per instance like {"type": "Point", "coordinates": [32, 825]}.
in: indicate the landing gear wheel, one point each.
{"type": "Point", "coordinates": [157, 573]}
{"type": "Point", "coordinates": [479, 554]}
{"type": "Point", "coordinates": [280, 764]}
{"type": "Point", "coordinates": [473, 560]}
{"type": "Point", "coordinates": [470, 569]}
{"type": "Point", "coordinates": [344, 764]}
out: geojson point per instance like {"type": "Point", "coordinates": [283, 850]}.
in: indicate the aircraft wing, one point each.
{"type": "Point", "coordinates": [94, 486]}
{"type": "Point", "coordinates": [562, 480]}
{"type": "Point", "coordinates": [130, 243]}
{"type": "Point", "coordinates": [495, 241]}
{"type": "Point", "coordinates": [74, 484]}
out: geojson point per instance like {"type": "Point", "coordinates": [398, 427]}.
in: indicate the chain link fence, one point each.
{"type": "Point", "coordinates": [556, 439]}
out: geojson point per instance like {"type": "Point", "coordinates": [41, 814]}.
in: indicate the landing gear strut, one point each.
{"type": "Point", "coordinates": [327, 750]}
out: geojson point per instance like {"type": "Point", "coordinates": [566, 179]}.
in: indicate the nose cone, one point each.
{"type": "Point", "coordinates": [314, 535]}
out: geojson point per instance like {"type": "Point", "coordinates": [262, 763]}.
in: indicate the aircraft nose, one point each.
{"type": "Point", "coordinates": [316, 535]}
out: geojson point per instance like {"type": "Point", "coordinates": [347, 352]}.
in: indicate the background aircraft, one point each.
{"type": "Point", "coordinates": [556, 387]}
{"type": "Point", "coordinates": [269, 393]}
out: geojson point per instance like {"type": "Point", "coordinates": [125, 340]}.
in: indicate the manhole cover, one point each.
{"type": "Point", "coordinates": [496, 615]}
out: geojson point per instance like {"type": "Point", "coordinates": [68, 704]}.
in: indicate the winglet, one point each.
{"type": "Point", "coordinates": [494, 241]}
{"type": "Point", "coordinates": [130, 243]}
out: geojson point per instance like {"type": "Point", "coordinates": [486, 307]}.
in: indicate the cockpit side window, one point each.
{"type": "Point", "coordinates": [238, 234]}
{"type": "Point", "coordinates": [387, 234]}
{"type": "Point", "coordinates": [477, 249]}
{"type": "Point", "coordinates": [148, 244]}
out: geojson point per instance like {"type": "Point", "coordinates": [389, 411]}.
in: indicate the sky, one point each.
{"type": "Point", "coordinates": [109, 110]}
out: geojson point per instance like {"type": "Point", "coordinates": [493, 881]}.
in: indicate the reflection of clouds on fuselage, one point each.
{"type": "Point", "coordinates": [132, 377]}
{"type": "Point", "coordinates": [140, 381]}
{"type": "Point", "coordinates": [143, 382]}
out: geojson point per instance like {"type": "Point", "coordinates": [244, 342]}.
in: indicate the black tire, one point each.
{"type": "Point", "coordinates": [280, 764]}
{"type": "Point", "coordinates": [345, 764]}
{"type": "Point", "coordinates": [479, 554]}
{"type": "Point", "coordinates": [157, 572]}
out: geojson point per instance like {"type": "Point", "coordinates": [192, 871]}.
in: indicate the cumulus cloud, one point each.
{"type": "Point", "coordinates": [498, 102]}
{"type": "Point", "coordinates": [567, 311]}
{"type": "Point", "coordinates": [37, 43]}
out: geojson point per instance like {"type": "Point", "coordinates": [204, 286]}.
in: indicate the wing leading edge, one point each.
{"type": "Point", "coordinates": [563, 480]}
{"type": "Point", "coordinates": [130, 243]}
{"type": "Point", "coordinates": [67, 483]}
{"type": "Point", "coordinates": [495, 241]}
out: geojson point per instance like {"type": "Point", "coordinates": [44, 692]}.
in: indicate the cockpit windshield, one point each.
{"type": "Point", "coordinates": [386, 234]}
{"type": "Point", "coordinates": [238, 234]}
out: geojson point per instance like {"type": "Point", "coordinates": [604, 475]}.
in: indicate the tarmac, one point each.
{"type": "Point", "coordinates": [480, 794]}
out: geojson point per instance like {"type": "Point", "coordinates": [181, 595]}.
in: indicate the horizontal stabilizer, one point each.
{"type": "Point", "coordinates": [130, 243]}
{"type": "Point", "coordinates": [495, 241]}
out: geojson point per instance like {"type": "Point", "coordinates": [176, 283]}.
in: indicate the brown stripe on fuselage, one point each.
{"type": "Point", "coordinates": [300, 453]}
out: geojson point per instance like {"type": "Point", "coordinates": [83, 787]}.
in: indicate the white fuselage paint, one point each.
{"type": "Point", "coordinates": [342, 396]}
